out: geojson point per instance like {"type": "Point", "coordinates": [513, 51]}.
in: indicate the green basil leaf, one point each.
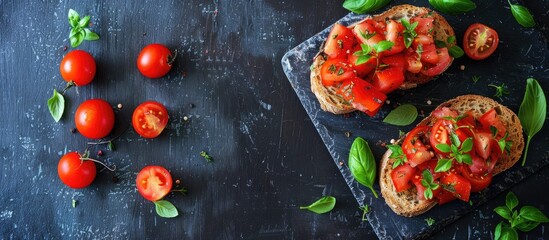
{"type": "Point", "coordinates": [74, 31]}
{"type": "Point", "coordinates": [455, 51]}
{"type": "Point", "coordinates": [504, 212]}
{"type": "Point", "coordinates": [497, 231]}
{"type": "Point", "coordinates": [402, 115]}
{"type": "Point", "coordinates": [440, 44]}
{"type": "Point", "coordinates": [84, 22]}
{"type": "Point", "coordinates": [90, 36]}
{"type": "Point", "coordinates": [453, 7]}
{"type": "Point", "coordinates": [362, 164]}
{"type": "Point", "coordinates": [428, 193]}
{"type": "Point", "coordinates": [362, 59]}
{"type": "Point", "coordinates": [77, 39]}
{"type": "Point", "coordinates": [511, 201]}
{"type": "Point", "coordinates": [383, 46]}
{"type": "Point", "coordinates": [532, 111]}
{"type": "Point", "coordinates": [443, 147]}
{"type": "Point", "coordinates": [56, 105]}
{"type": "Point", "coordinates": [165, 209]}
{"type": "Point", "coordinates": [508, 233]}
{"type": "Point", "coordinates": [451, 39]}
{"type": "Point", "coordinates": [467, 145]}
{"type": "Point", "coordinates": [427, 176]}
{"type": "Point", "coordinates": [323, 205]}
{"type": "Point", "coordinates": [527, 226]}
{"type": "Point", "coordinates": [466, 158]}
{"type": "Point", "coordinates": [364, 6]}
{"type": "Point", "coordinates": [455, 140]}
{"type": "Point", "coordinates": [522, 15]}
{"type": "Point", "coordinates": [74, 18]}
{"type": "Point", "coordinates": [443, 165]}
{"type": "Point", "coordinates": [533, 214]}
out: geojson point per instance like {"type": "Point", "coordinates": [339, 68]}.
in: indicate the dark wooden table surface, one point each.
{"type": "Point", "coordinates": [268, 157]}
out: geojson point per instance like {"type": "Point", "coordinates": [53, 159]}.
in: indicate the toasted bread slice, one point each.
{"type": "Point", "coordinates": [330, 101]}
{"type": "Point", "coordinates": [406, 203]}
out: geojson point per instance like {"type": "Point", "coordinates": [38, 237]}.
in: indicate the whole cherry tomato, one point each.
{"type": "Point", "coordinates": [154, 182]}
{"type": "Point", "coordinates": [74, 172]}
{"type": "Point", "coordinates": [94, 118]}
{"type": "Point", "coordinates": [154, 61]}
{"type": "Point", "coordinates": [149, 119]}
{"type": "Point", "coordinates": [78, 67]}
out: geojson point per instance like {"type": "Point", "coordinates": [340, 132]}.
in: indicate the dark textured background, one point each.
{"type": "Point", "coordinates": [268, 156]}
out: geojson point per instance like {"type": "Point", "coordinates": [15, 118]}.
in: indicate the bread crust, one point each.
{"type": "Point", "coordinates": [330, 101]}
{"type": "Point", "coordinates": [406, 203]}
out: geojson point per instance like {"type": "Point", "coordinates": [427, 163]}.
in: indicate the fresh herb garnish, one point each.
{"type": "Point", "coordinates": [56, 105]}
{"type": "Point", "coordinates": [532, 111]}
{"type": "Point", "coordinates": [364, 6]}
{"type": "Point", "coordinates": [362, 164]}
{"type": "Point", "coordinates": [409, 32]}
{"type": "Point", "coordinates": [475, 79]}
{"type": "Point", "coordinates": [403, 115]}
{"type": "Point", "coordinates": [323, 205]}
{"type": "Point", "coordinates": [74, 203]}
{"type": "Point", "coordinates": [430, 221]}
{"type": "Point", "coordinates": [397, 154]}
{"type": "Point", "coordinates": [429, 184]}
{"type": "Point", "coordinates": [79, 29]}
{"type": "Point", "coordinates": [455, 51]}
{"type": "Point", "coordinates": [500, 90]}
{"type": "Point", "coordinates": [365, 210]}
{"type": "Point", "coordinates": [453, 7]}
{"type": "Point", "coordinates": [525, 220]}
{"type": "Point", "coordinates": [522, 15]}
{"type": "Point", "coordinates": [165, 209]}
{"type": "Point", "coordinates": [458, 151]}
{"type": "Point", "coordinates": [363, 55]}
{"type": "Point", "coordinates": [382, 46]}
{"type": "Point", "coordinates": [206, 156]}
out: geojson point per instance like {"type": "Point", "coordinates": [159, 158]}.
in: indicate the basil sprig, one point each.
{"type": "Point", "coordinates": [453, 7]}
{"type": "Point", "coordinates": [320, 206]}
{"type": "Point", "coordinates": [56, 105]}
{"type": "Point", "coordinates": [165, 209]}
{"type": "Point", "coordinates": [525, 220]}
{"type": "Point", "coordinates": [409, 32]}
{"type": "Point", "coordinates": [532, 111]}
{"type": "Point", "coordinates": [429, 183]}
{"type": "Point", "coordinates": [364, 6]}
{"type": "Point", "coordinates": [362, 164]}
{"type": "Point", "coordinates": [403, 115]}
{"type": "Point", "coordinates": [397, 155]}
{"type": "Point", "coordinates": [522, 15]}
{"type": "Point", "coordinates": [79, 29]}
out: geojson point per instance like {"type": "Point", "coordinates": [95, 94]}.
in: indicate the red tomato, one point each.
{"type": "Point", "coordinates": [397, 60]}
{"type": "Point", "coordinates": [394, 34]}
{"type": "Point", "coordinates": [457, 185]}
{"type": "Point", "coordinates": [388, 79]}
{"type": "Point", "coordinates": [79, 67]}
{"type": "Point", "coordinates": [430, 165]}
{"type": "Point", "coordinates": [491, 118]}
{"type": "Point", "coordinates": [444, 112]}
{"type": "Point", "coordinates": [74, 172]}
{"type": "Point", "coordinates": [401, 176]}
{"type": "Point", "coordinates": [478, 181]}
{"type": "Point", "coordinates": [364, 68]}
{"type": "Point", "coordinates": [362, 95]}
{"type": "Point", "coordinates": [340, 41]}
{"type": "Point", "coordinates": [415, 150]}
{"type": "Point", "coordinates": [336, 70]}
{"type": "Point", "coordinates": [366, 33]}
{"type": "Point", "coordinates": [444, 196]}
{"type": "Point", "coordinates": [439, 134]}
{"type": "Point", "coordinates": [154, 182]}
{"type": "Point", "coordinates": [149, 119]}
{"type": "Point", "coordinates": [441, 66]}
{"type": "Point", "coordinates": [154, 61]}
{"type": "Point", "coordinates": [429, 54]}
{"type": "Point", "coordinates": [416, 180]}
{"type": "Point", "coordinates": [483, 145]}
{"type": "Point", "coordinates": [425, 24]}
{"type": "Point", "coordinates": [468, 122]}
{"type": "Point", "coordinates": [424, 40]}
{"type": "Point", "coordinates": [480, 41]}
{"type": "Point", "coordinates": [94, 118]}
{"type": "Point", "coordinates": [413, 64]}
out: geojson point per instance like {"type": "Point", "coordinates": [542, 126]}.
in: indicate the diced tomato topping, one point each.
{"type": "Point", "coordinates": [491, 118]}
{"type": "Point", "coordinates": [366, 33]}
{"type": "Point", "coordinates": [415, 150]}
{"type": "Point", "coordinates": [478, 181]}
{"type": "Point", "coordinates": [362, 95]}
{"type": "Point", "coordinates": [394, 34]}
{"type": "Point", "coordinates": [430, 165]}
{"type": "Point", "coordinates": [396, 60]}
{"type": "Point", "coordinates": [336, 70]}
{"type": "Point", "coordinates": [442, 65]}
{"type": "Point", "coordinates": [483, 145]}
{"type": "Point", "coordinates": [416, 180]}
{"type": "Point", "coordinates": [340, 41]}
{"type": "Point", "coordinates": [430, 55]}
{"type": "Point", "coordinates": [444, 196]}
{"type": "Point", "coordinates": [425, 24]}
{"type": "Point", "coordinates": [424, 40]}
{"type": "Point", "coordinates": [444, 112]}
{"type": "Point", "coordinates": [456, 184]}
{"type": "Point", "coordinates": [364, 68]}
{"type": "Point", "coordinates": [388, 79]}
{"type": "Point", "coordinates": [413, 64]}
{"type": "Point", "coordinates": [440, 134]}
{"type": "Point", "coordinates": [401, 176]}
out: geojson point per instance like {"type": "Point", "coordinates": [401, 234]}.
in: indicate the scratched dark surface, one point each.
{"type": "Point", "coordinates": [268, 156]}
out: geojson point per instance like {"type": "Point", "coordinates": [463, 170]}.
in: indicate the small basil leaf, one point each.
{"type": "Point", "coordinates": [467, 145]}
{"type": "Point", "coordinates": [443, 147]}
{"type": "Point", "coordinates": [532, 111]}
{"type": "Point", "coordinates": [383, 46]}
{"type": "Point", "coordinates": [453, 7]}
{"type": "Point", "coordinates": [508, 233]}
{"type": "Point", "coordinates": [77, 39]}
{"type": "Point", "coordinates": [440, 44]}
{"type": "Point", "coordinates": [84, 22]}
{"type": "Point", "coordinates": [522, 15]}
{"type": "Point", "coordinates": [466, 158]}
{"type": "Point", "coordinates": [165, 209]}
{"type": "Point", "coordinates": [362, 164]}
{"type": "Point", "coordinates": [504, 212]}
{"type": "Point", "coordinates": [527, 226]}
{"type": "Point", "coordinates": [533, 214]}
{"type": "Point", "coordinates": [323, 205]}
{"type": "Point", "coordinates": [451, 39]}
{"type": "Point", "coordinates": [403, 115]}
{"type": "Point", "coordinates": [56, 105]}
{"type": "Point", "coordinates": [362, 59]}
{"type": "Point", "coordinates": [90, 36]}
{"type": "Point", "coordinates": [511, 201]}
{"type": "Point", "coordinates": [497, 231]}
{"type": "Point", "coordinates": [74, 18]}
{"type": "Point", "coordinates": [456, 52]}
{"type": "Point", "coordinates": [455, 139]}
{"type": "Point", "coordinates": [364, 6]}
{"type": "Point", "coordinates": [443, 165]}
{"type": "Point", "coordinates": [74, 31]}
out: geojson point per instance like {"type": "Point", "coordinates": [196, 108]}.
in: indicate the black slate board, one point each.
{"type": "Point", "coordinates": [522, 53]}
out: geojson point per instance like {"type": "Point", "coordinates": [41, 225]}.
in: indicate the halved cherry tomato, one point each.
{"type": "Point", "coordinates": [491, 118]}
{"type": "Point", "coordinates": [340, 41]}
{"type": "Point", "coordinates": [149, 119]}
{"type": "Point", "coordinates": [483, 144]}
{"type": "Point", "coordinates": [439, 134]}
{"type": "Point", "coordinates": [336, 70]}
{"type": "Point", "coordinates": [480, 41]}
{"type": "Point", "coordinates": [459, 186]}
{"type": "Point", "coordinates": [388, 79]}
{"type": "Point", "coordinates": [366, 33]}
{"type": "Point", "coordinates": [425, 24]}
{"type": "Point", "coordinates": [478, 181]}
{"type": "Point", "coordinates": [154, 182]}
{"type": "Point", "coordinates": [362, 95]}
{"type": "Point", "coordinates": [401, 176]}
{"type": "Point", "coordinates": [441, 66]}
{"type": "Point", "coordinates": [74, 172]}
{"type": "Point", "coordinates": [154, 60]}
{"type": "Point", "coordinates": [94, 118]}
{"type": "Point", "coordinates": [79, 67]}
{"type": "Point", "coordinates": [364, 68]}
{"type": "Point", "coordinates": [415, 150]}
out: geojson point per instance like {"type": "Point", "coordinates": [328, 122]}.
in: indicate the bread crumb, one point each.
{"type": "Point", "coordinates": [392, 141]}
{"type": "Point", "coordinates": [429, 102]}
{"type": "Point", "coordinates": [462, 67]}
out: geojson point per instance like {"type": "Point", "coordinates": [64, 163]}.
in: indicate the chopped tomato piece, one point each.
{"type": "Point", "coordinates": [340, 41]}
{"type": "Point", "coordinates": [483, 145]}
{"type": "Point", "coordinates": [429, 54]}
{"type": "Point", "coordinates": [424, 40]}
{"type": "Point", "coordinates": [366, 33]}
{"type": "Point", "coordinates": [388, 79]}
{"type": "Point", "coordinates": [456, 184]}
{"type": "Point", "coordinates": [394, 34]}
{"type": "Point", "coordinates": [442, 65]}
{"type": "Point", "coordinates": [415, 150]}
{"type": "Point", "coordinates": [440, 134]}
{"type": "Point", "coordinates": [396, 60]}
{"type": "Point", "coordinates": [401, 176]}
{"type": "Point", "coordinates": [431, 164]}
{"type": "Point", "coordinates": [444, 112]}
{"type": "Point", "coordinates": [424, 26]}
{"type": "Point", "coordinates": [364, 68]}
{"type": "Point", "coordinates": [478, 181]}
{"type": "Point", "coordinates": [444, 196]}
{"type": "Point", "coordinates": [334, 71]}
{"type": "Point", "coordinates": [491, 118]}
{"type": "Point", "coordinates": [413, 64]}
{"type": "Point", "coordinates": [416, 180]}
{"type": "Point", "coordinates": [362, 95]}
